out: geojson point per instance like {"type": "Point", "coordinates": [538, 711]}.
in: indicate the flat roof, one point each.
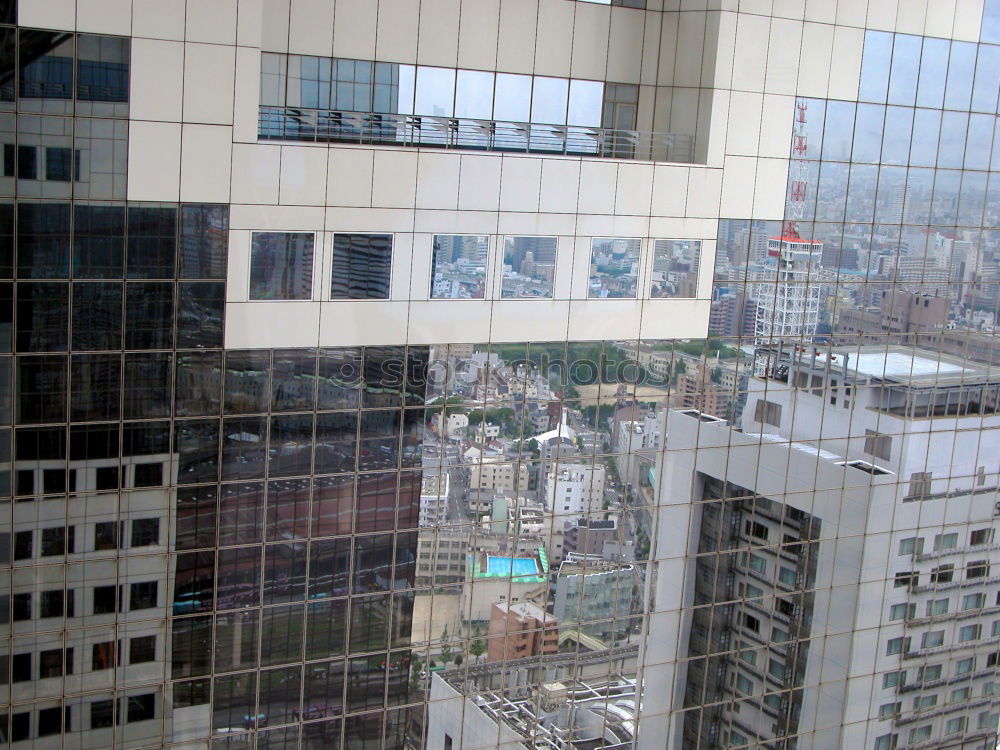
{"type": "Point", "coordinates": [903, 364]}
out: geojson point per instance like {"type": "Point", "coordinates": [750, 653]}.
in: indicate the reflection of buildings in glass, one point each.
{"type": "Point", "coordinates": [675, 268]}
{"type": "Point", "coordinates": [787, 303]}
{"type": "Point", "coordinates": [614, 267]}
{"type": "Point", "coordinates": [460, 266]}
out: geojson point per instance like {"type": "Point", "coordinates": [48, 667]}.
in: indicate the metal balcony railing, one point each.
{"type": "Point", "coordinates": [366, 128]}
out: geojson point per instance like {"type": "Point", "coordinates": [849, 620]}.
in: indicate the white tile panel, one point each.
{"type": "Point", "coordinates": [479, 183]}
{"type": "Point", "coordinates": [369, 219]}
{"type": "Point", "coordinates": [209, 76]}
{"type": "Point", "coordinates": [612, 319]}
{"type": "Point", "coordinates": [402, 260]}
{"type": "Point", "coordinates": [666, 65]}
{"type": "Point", "coordinates": [794, 9]}
{"type": "Point", "coordinates": [277, 218]}
{"type": "Point", "coordinates": [769, 190]}
{"type": "Point", "coordinates": [347, 323]}
{"type": "Point", "coordinates": [354, 25]}
{"type": "Point", "coordinates": [611, 225]}
{"type": "Point", "coordinates": [968, 19]}
{"type": "Point", "coordinates": [272, 324]}
{"type": "Point", "coordinates": [715, 149]}
{"type": "Point", "coordinates": [590, 43]}
{"type": "Point", "coordinates": [759, 7]}
{"type": "Point", "coordinates": [852, 12]}
{"type": "Point", "coordinates": [158, 19]}
{"type": "Point", "coordinates": [738, 175]}
{"type": "Point", "coordinates": [272, 29]}
{"type": "Point", "coordinates": [597, 187]}
{"type": "Point", "coordinates": [104, 16]}
{"type": "Point", "coordinates": [634, 189]}
{"type": "Point", "coordinates": [478, 31]}
{"type": "Point", "coordinates": [536, 223]}
{"type": "Point", "coordinates": [674, 318]}
{"type": "Point", "coordinates": [213, 22]}
{"type": "Point", "coordinates": [310, 28]}
{"type": "Point", "coordinates": [422, 252]}
{"type": "Point", "coordinates": [432, 221]}
{"type": "Point", "coordinates": [255, 173]}
{"type": "Point", "coordinates": [303, 175]}
{"type": "Point", "coordinates": [246, 105]}
{"type": "Point", "coordinates": [783, 56]}
{"type": "Point", "coordinates": [349, 177]}
{"type": "Point", "coordinates": [553, 46]}
{"type": "Point", "coordinates": [465, 320]}
{"type": "Point", "coordinates": [689, 48]}
{"type": "Point", "coordinates": [238, 266]}
{"type": "Point", "coordinates": [845, 73]}
{"type": "Point", "coordinates": [776, 137]}
{"type": "Point", "coordinates": [519, 183]}
{"type": "Point", "coordinates": [154, 156]}
{"type": "Point", "coordinates": [752, 36]}
{"type": "Point", "coordinates": [156, 82]}
{"type": "Point", "coordinates": [47, 14]}
{"type": "Point", "coordinates": [821, 11]}
{"type": "Point", "coordinates": [910, 17]}
{"type": "Point", "coordinates": [670, 190]}
{"type": "Point", "coordinates": [545, 319]}
{"type": "Point", "coordinates": [206, 157]}
{"type": "Point", "coordinates": [814, 63]}
{"type": "Point", "coordinates": [940, 19]}
{"type": "Point", "coordinates": [882, 15]}
{"type": "Point", "coordinates": [394, 179]}
{"type": "Point", "coordinates": [692, 229]}
{"type": "Point", "coordinates": [516, 45]}
{"type": "Point", "coordinates": [437, 179]}
{"type": "Point", "coordinates": [626, 44]}
{"type": "Point", "coordinates": [560, 183]}
{"type": "Point", "coordinates": [650, 48]}
{"type": "Point", "coordinates": [743, 131]}
{"type": "Point", "coordinates": [437, 43]}
{"type": "Point", "coordinates": [396, 40]}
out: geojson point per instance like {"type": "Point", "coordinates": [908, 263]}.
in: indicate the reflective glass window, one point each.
{"type": "Point", "coordinates": [675, 268]}
{"type": "Point", "coordinates": [529, 266]}
{"type": "Point", "coordinates": [149, 315]}
{"type": "Point", "coordinates": [512, 98]}
{"type": "Point", "coordinates": [281, 265]}
{"type": "Point", "coordinates": [43, 240]}
{"type": "Point", "coordinates": [42, 316]}
{"type": "Point", "coordinates": [200, 314]}
{"type": "Point", "coordinates": [204, 241]}
{"type": "Point", "coordinates": [435, 94]}
{"type": "Point", "coordinates": [98, 241]}
{"type": "Point", "coordinates": [459, 266]}
{"type": "Point", "coordinates": [361, 266]}
{"type": "Point", "coordinates": [614, 267]}
{"type": "Point", "coordinates": [586, 99]}
{"type": "Point", "coordinates": [152, 241]}
{"type": "Point", "coordinates": [875, 65]}
{"type": "Point", "coordinates": [549, 100]}
{"type": "Point", "coordinates": [474, 95]}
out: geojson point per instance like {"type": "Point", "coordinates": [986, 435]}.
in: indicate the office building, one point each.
{"type": "Point", "coordinates": [294, 290]}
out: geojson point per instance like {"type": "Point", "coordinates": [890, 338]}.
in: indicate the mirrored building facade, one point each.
{"type": "Point", "coordinates": [499, 374]}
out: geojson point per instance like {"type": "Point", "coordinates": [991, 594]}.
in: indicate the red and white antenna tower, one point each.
{"type": "Point", "coordinates": [799, 173]}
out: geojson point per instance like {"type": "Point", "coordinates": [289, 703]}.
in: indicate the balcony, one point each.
{"type": "Point", "coordinates": [365, 128]}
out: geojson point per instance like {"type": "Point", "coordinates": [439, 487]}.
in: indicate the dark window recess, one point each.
{"type": "Point", "coordinates": [107, 478]}
{"type": "Point", "coordinates": [62, 164]}
{"type": "Point", "coordinates": [55, 720]}
{"type": "Point", "coordinates": [20, 668]}
{"type": "Point", "coordinates": [20, 607]}
{"type": "Point", "coordinates": [142, 595]}
{"type": "Point", "coordinates": [943, 574]}
{"type": "Point", "coordinates": [97, 316]}
{"type": "Point", "coordinates": [361, 266]}
{"type": "Point", "coordinates": [27, 163]}
{"type": "Point", "coordinates": [106, 535]}
{"type": "Point", "coordinates": [142, 649]}
{"type": "Point", "coordinates": [20, 727]}
{"type": "Point", "coordinates": [148, 475]}
{"type": "Point", "coordinates": [102, 714]}
{"type": "Point", "coordinates": [978, 569]}
{"type": "Point", "coordinates": [145, 532]}
{"type": "Point", "coordinates": [23, 545]}
{"type": "Point", "coordinates": [56, 603]}
{"type": "Point", "coordinates": [105, 600]}
{"type": "Point", "coordinates": [152, 242]}
{"type": "Point", "coordinates": [102, 656]}
{"type": "Point", "coordinates": [58, 541]}
{"type": "Point", "coordinates": [204, 242]}
{"type": "Point", "coordinates": [98, 241]}
{"type": "Point", "coordinates": [9, 159]}
{"type": "Point", "coordinates": [52, 663]}
{"type": "Point", "coordinates": [149, 315]}
{"type": "Point", "coordinates": [281, 265]}
{"type": "Point", "coordinates": [24, 482]}
{"type": "Point", "coordinates": [141, 707]}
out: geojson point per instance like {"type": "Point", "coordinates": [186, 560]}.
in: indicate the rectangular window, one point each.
{"type": "Point", "coordinates": [920, 484]}
{"type": "Point", "coordinates": [932, 639]}
{"type": "Point", "coordinates": [943, 573]}
{"type": "Point", "coordinates": [978, 569]}
{"type": "Point", "coordinates": [973, 601]}
{"type": "Point", "coordinates": [755, 529]}
{"type": "Point", "coordinates": [142, 649]}
{"type": "Point", "coordinates": [103, 656]}
{"type": "Point", "coordinates": [281, 265]}
{"type": "Point", "coordinates": [20, 668]}
{"type": "Point", "coordinates": [757, 564]}
{"type": "Point", "coordinates": [143, 595]}
{"type": "Point", "coordinates": [897, 646]}
{"type": "Point", "coordinates": [53, 604]}
{"type": "Point", "coordinates": [768, 412]}
{"type": "Point", "coordinates": [744, 684]}
{"type": "Point", "coordinates": [675, 268]}
{"type": "Point", "coordinates": [362, 266]}
{"type": "Point", "coordinates": [969, 633]}
{"type": "Point", "coordinates": [776, 669]}
{"type": "Point", "coordinates": [529, 267]}
{"type": "Point", "coordinates": [27, 163]}
{"type": "Point", "coordinates": [145, 532]}
{"type": "Point", "coordinates": [141, 707]}
{"type": "Point", "coordinates": [964, 666]}
{"type": "Point", "coordinates": [889, 710]}
{"type": "Point", "coordinates": [937, 607]}
{"type": "Point", "coordinates": [54, 721]}
{"type": "Point", "coordinates": [894, 679]}
{"type": "Point", "coordinates": [929, 673]}
{"type": "Point", "coordinates": [878, 445]}
{"type": "Point", "coordinates": [954, 726]}
{"type": "Point", "coordinates": [787, 576]}
{"type": "Point", "coordinates": [922, 702]}
{"type": "Point", "coordinates": [62, 164]}
{"type": "Point", "coordinates": [945, 542]}
{"type": "Point", "coordinates": [908, 578]}
{"type": "Point", "coordinates": [106, 535]}
{"type": "Point", "coordinates": [102, 714]}
{"type": "Point", "coordinates": [56, 541]}
{"type": "Point", "coordinates": [920, 734]}
{"type": "Point", "coordinates": [960, 695]}
{"type": "Point", "coordinates": [981, 536]}
{"type": "Point", "coordinates": [614, 267]}
{"type": "Point", "coordinates": [886, 742]}
{"type": "Point", "coordinates": [50, 663]}
{"type": "Point", "coordinates": [148, 475]}
{"type": "Point", "coordinates": [913, 545]}
{"type": "Point", "coordinates": [459, 270]}
{"type": "Point", "coordinates": [901, 611]}
{"type": "Point", "coordinates": [105, 600]}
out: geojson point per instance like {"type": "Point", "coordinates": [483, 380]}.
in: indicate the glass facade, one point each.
{"type": "Point", "coordinates": [780, 534]}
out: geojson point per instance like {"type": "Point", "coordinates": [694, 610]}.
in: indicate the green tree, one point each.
{"type": "Point", "coordinates": [478, 646]}
{"type": "Point", "coordinates": [447, 652]}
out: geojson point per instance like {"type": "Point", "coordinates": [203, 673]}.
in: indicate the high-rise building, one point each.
{"type": "Point", "coordinates": [499, 373]}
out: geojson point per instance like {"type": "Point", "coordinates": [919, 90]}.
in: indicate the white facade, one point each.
{"type": "Point", "coordinates": [574, 489]}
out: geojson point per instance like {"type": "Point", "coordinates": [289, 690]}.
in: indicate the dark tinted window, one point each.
{"type": "Point", "coordinates": [43, 240]}
{"type": "Point", "coordinates": [98, 241]}
{"type": "Point", "coordinates": [361, 266]}
{"type": "Point", "coordinates": [281, 265]}
{"type": "Point", "coordinates": [204, 241]}
{"type": "Point", "coordinates": [97, 316]}
{"type": "Point", "coordinates": [152, 241]}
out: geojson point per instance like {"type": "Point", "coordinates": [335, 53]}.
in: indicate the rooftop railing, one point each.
{"type": "Point", "coordinates": [366, 128]}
